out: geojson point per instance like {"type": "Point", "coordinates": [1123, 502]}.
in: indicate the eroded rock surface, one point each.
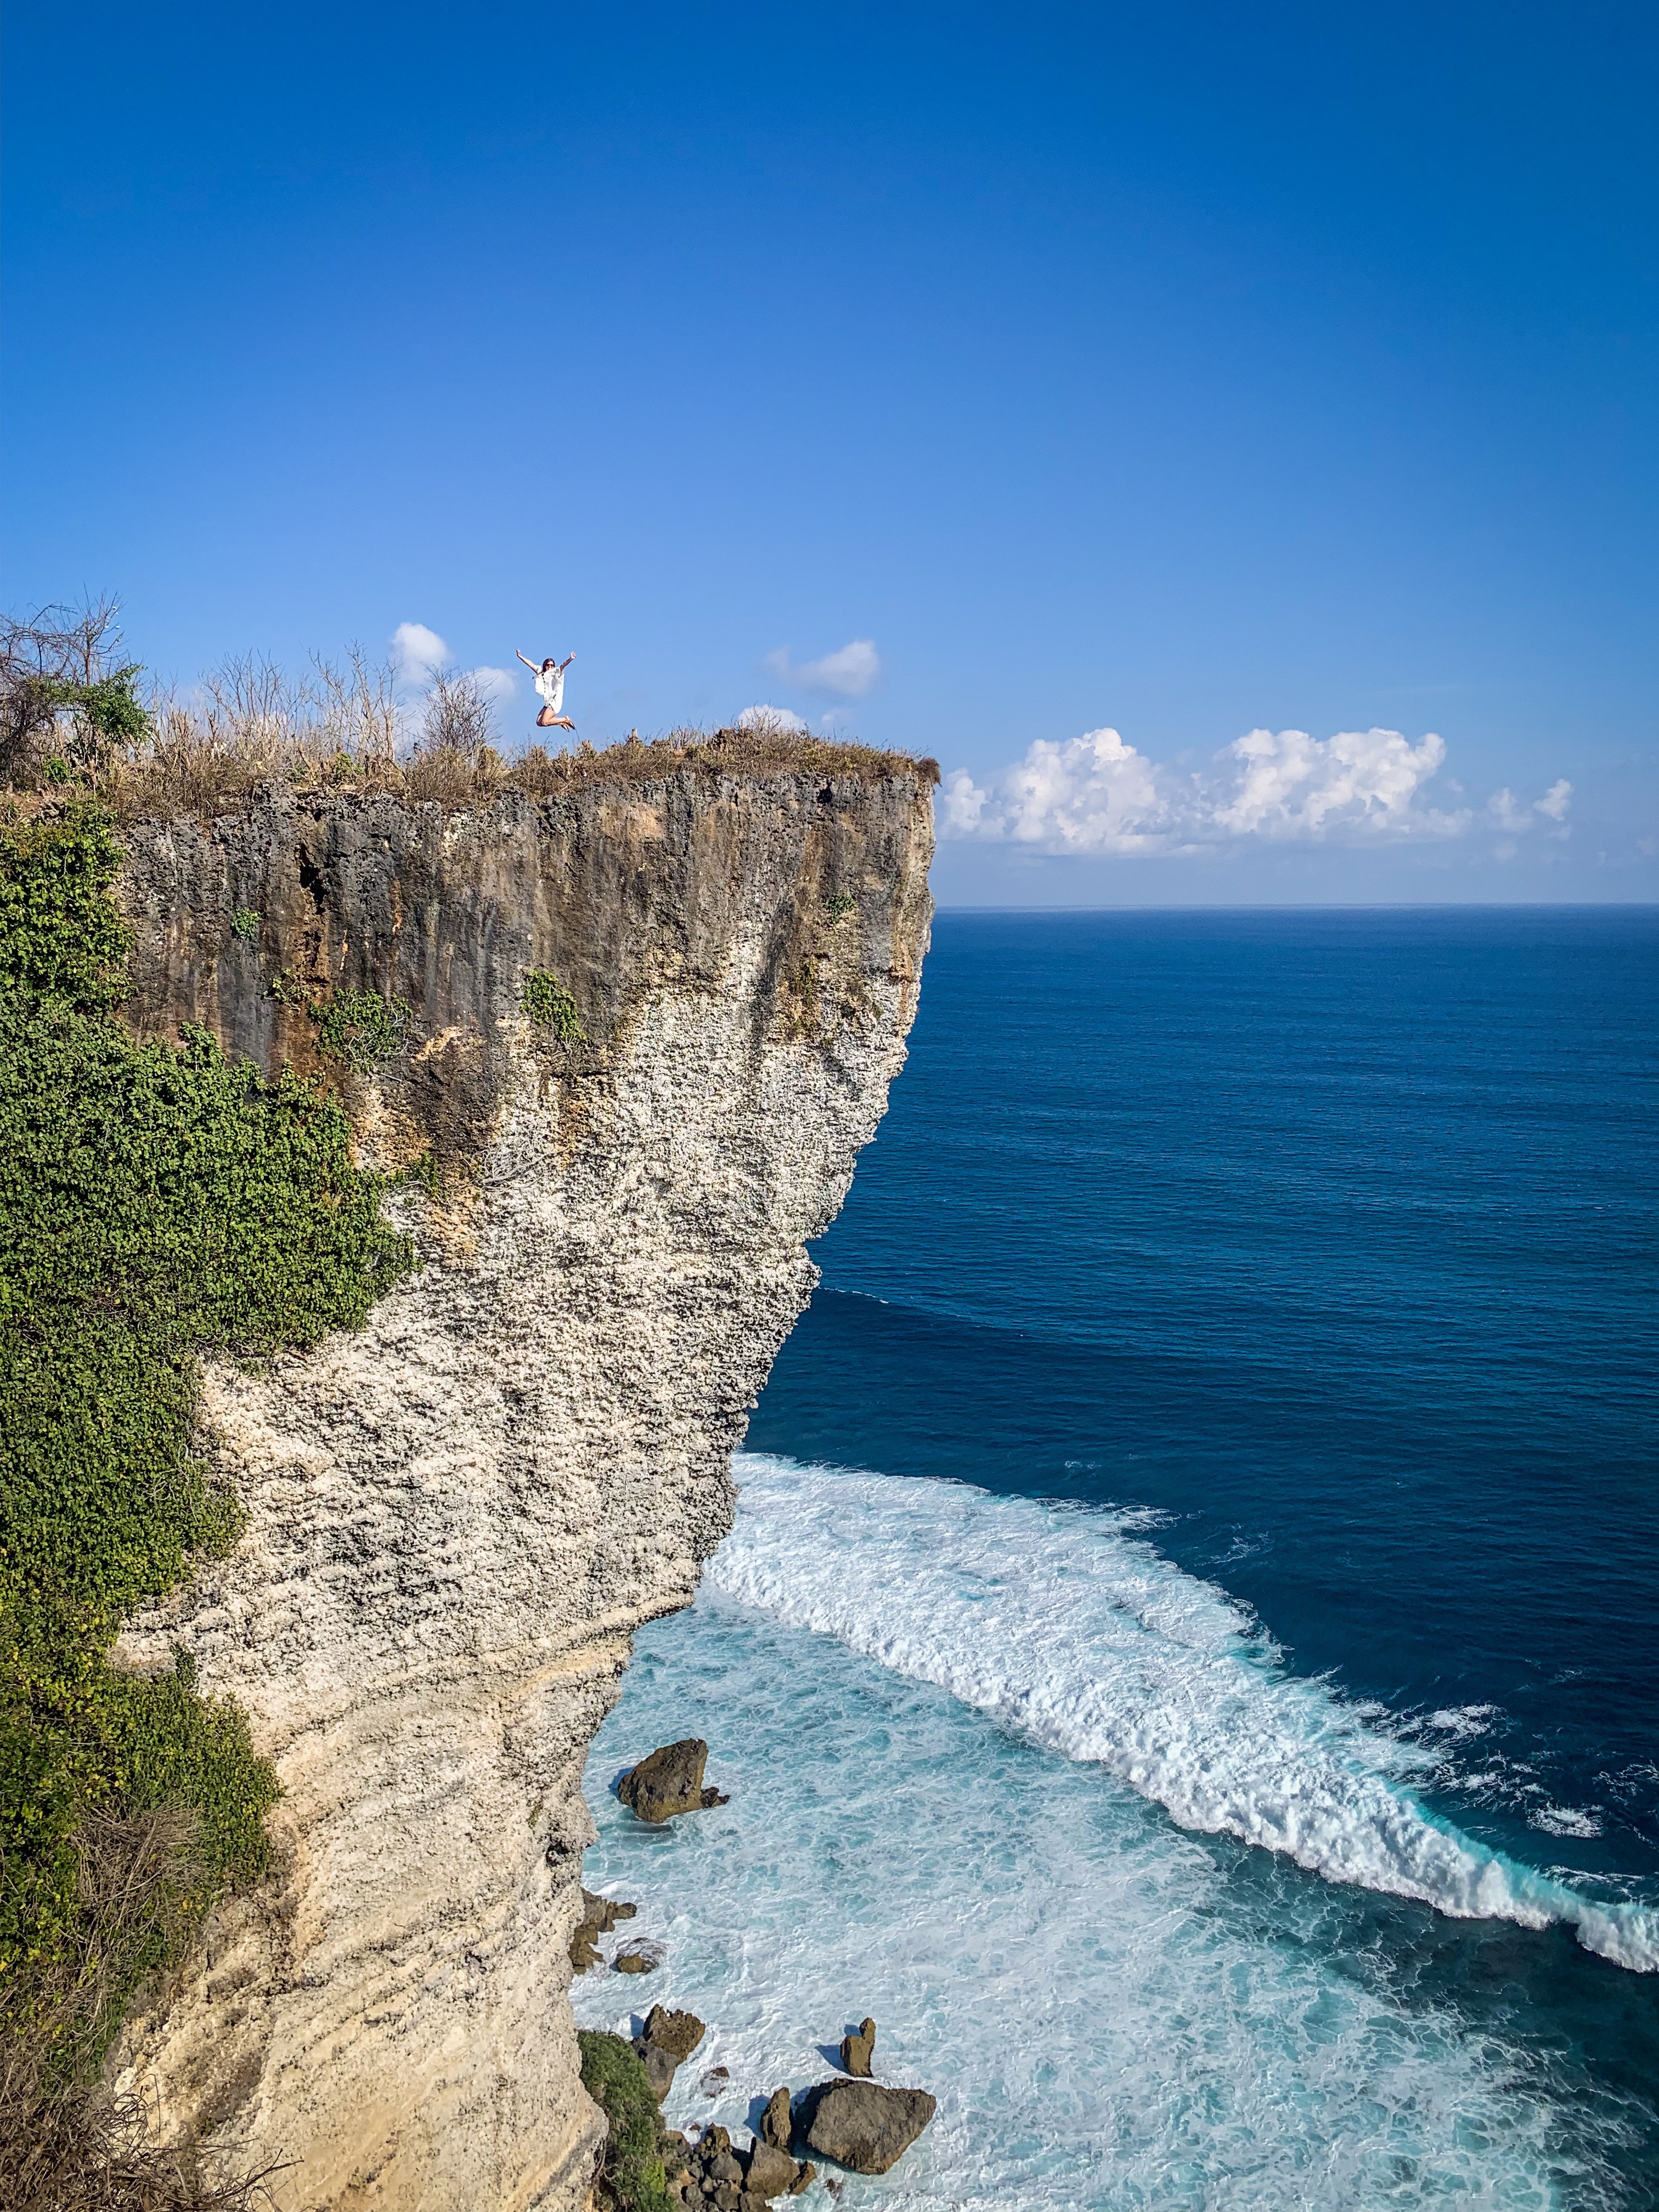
{"type": "Point", "coordinates": [669, 1782]}
{"type": "Point", "coordinates": [457, 1518]}
{"type": "Point", "coordinates": [863, 2125]}
{"type": "Point", "coordinates": [859, 2048]}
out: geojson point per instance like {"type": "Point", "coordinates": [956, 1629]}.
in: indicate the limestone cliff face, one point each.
{"type": "Point", "coordinates": [457, 1518]}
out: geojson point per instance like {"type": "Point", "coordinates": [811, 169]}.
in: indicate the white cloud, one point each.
{"type": "Point", "coordinates": [417, 653]}
{"type": "Point", "coordinates": [1092, 794]}
{"type": "Point", "coordinates": [497, 684]}
{"type": "Point", "coordinates": [770, 720]}
{"type": "Point", "coordinates": [1096, 795]}
{"type": "Point", "coordinates": [1356, 788]}
{"type": "Point", "coordinates": [846, 674]}
{"type": "Point", "coordinates": [1509, 813]}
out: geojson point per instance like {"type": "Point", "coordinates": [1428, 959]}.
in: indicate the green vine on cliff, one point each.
{"type": "Point", "coordinates": [551, 1007]}
{"type": "Point", "coordinates": [155, 1202]}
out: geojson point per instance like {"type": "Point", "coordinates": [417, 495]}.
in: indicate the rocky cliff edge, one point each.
{"type": "Point", "coordinates": [457, 1518]}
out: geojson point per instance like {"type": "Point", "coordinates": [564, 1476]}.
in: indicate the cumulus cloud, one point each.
{"type": "Point", "coordinates": [848, 674]}
{"type": "Point", "coordinates": [1513, 816]}
{"type": "Point", "coordinates": [770, 720]}
{"type": "Point", "coordinates": [419, 654]}
{"type": "Point", "coordinates": [1096, 795]}
{"type": "Point", "coordinates": [1555, 801]}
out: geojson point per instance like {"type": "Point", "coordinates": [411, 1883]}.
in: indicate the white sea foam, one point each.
{"type": "Point", "coordinates": [1567, 1821]}
{"type": "Point", "coordinates": [1065, 1627]}
{"type": "Point", "coordinates": [1112, 2020]}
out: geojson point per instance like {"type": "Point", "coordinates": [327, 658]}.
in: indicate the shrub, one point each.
{"type": "Point", "coordinates": [362, 1028]}
{"type": "Point", "coordinates": [154, 1200]}
{"type": "Point", "coordinates": [633, 2176]}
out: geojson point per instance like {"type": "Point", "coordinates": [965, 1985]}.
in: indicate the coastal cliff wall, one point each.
{"type": "Point", "coordinates": [457, 1517]}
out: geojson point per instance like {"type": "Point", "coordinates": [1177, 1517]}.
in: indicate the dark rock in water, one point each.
{"type": "Point", "coordinates": [599, 1916]}
{"type": "Point", "coordinates": [711, 1796]}
{"type": "Point", "coordinates": [865, 2125]}
{"type": "Point", "coordinates": [807, 2173]}
{"type": "Point", "coordinates": [771, 2171]}
{"type": "Point", "coordinates": [713, 2082]}
{"type": "Point", "coordinates": [857, 2050]}
{"type": "Point", "coordinates": [776, 2125]}
{"type": "Point", "coordinates": [601, 1913]}
{"type": "Point", "coordinates": [634, 1962]}
{"type": "Point", "coordinates": [659, 2066]}
{"type": "Point", "coordinates": [677, 2033]}
{"type": "Point", "coordinates": [583, 1952]}
{"type": "Point", "coordinates": [669, 1782]}
{"type": "Point", "coordinates": [716, 2138]}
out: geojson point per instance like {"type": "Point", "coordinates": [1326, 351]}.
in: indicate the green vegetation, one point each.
{"type": "Point", "coordinates": [362, 1028]}
{"type": "Point", "coordinates": [633, 2176]}
{"type": "Point", "coordinates": [69, 702]}
{"type": "Point", "coordinates": [838, 904]}
{"type": "Point", "coordinates": [154, 1200]}
{"type": "Point", "coordinates": [244, 924]}
{"type": "Point", "coordinates": [359, 1027]}
{"type": "Point", "coordinates": [550, 1006]}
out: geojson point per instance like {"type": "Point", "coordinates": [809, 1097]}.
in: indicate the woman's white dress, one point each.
{"type": "Point", "coordinates": [551, 684]}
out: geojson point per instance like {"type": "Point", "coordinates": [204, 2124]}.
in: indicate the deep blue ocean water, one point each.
{"type": "Point", "coordinates": [1212, 1495]}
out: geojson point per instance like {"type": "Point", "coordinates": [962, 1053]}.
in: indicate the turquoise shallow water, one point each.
{"type": "Point", "coordinates": [1267, 1818]}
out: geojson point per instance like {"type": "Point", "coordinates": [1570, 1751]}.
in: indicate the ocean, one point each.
{"type": "Point", "coordinates": [1188, 1661]}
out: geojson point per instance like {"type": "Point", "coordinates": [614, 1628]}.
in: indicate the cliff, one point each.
{"type": "Point", "coordinates": [457, 1517]}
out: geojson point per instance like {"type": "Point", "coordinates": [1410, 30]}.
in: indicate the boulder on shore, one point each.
{"type": "Point", "coordinates": [770, 2173]}
{"type": "Point", "coordinates": [858, 2050]}
{"type": "Point", "coordinates": [718, 2172]}
{"type": "Point", "coordinates": [777, 2125]}
{"type": "Point", "coordinates": [666, 2039]}
{"type": "Point", "coordinates": [604, 1912]}
{"type": "Point", "coordinates": [676, 2032]}
{"type": "Point", "coordinates": [863, 2124]}
{"type": "Point", "coordinates": [669, 1782]}
{"type": "Point", "coordinates": [599, 1915]}
{"type": "Point", "coordinates": [659, 2066]}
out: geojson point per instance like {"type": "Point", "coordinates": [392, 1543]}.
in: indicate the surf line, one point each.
{"type": "Point", "coordinates": [1067, 1628]}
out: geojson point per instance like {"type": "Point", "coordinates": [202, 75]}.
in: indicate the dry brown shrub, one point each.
{"type": "Point", "coordinates": [206, 760]}
{"type": "Point", "coordinates": [342, 727]}
{"type": "Point", "coordinates": [70, 2143]}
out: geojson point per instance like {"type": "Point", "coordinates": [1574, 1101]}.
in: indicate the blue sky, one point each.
{"type": "Point", "coordinates": [1183, 373]}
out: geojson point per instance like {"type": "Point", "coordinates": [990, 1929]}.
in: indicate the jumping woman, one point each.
{"type": "Point", "coordinates": [550, 682]}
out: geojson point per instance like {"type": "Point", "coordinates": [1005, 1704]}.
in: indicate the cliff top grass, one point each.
{"type": "Point", "coordinates": [75, 716]}
{"type": "Point", "coordinates": [186, 768]}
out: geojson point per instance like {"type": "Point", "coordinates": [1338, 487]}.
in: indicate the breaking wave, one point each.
{"type": "Point", "coordinates": [1067, 1626]}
